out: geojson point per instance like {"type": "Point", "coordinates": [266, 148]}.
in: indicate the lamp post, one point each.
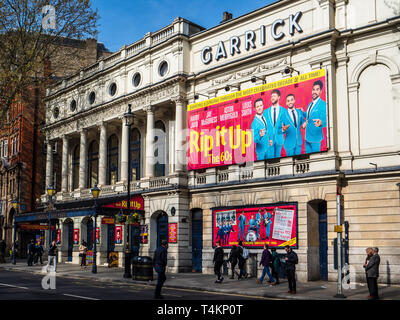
{"type": "Point", "coordinates": [15, 206]}
{"type": "Point", "coordinates": [51, 192]}
{"type": "Point", "coordinates": [129, 117]}
{"type": "Point", "coordinates": [95, 193]}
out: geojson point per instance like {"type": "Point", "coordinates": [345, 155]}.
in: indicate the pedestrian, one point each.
{"type": "Point", "coordinates": [2, 251]}
{"type": "Point", "coordinates": [160, 263]}
{"type": "Point", "coordinates": [39, 253]}
{"type": "Point", "coordinates": [233, 259]}
{"type": "Point", "coordinates": [218, 262]}
{"type": "Point", "coordinates": [290, 263]}
{"type": "Point", "coordinates": [266, 260]}
{"type": "Point", "coordinates": [244, 255]}
{"type": "Point", "coordinates": [31, 252]}
{"type": "Point", "coordinates": [82, 253]}
{"type": "Point", "coordinates": [372, 271]}
{"type": "Point", "coordinates": [52, 256]}
{"type": "Point", "coordinates": [276, 265]}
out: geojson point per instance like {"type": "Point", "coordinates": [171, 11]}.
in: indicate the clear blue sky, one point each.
{"type": "Point", "coordinates": [126, 21]}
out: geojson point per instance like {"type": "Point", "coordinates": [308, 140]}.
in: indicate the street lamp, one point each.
{"type": "Point", "coordinates": [95, 193]}
{"type": "Point", "coordinates": [129, 117]}
{"type": "Point", "coordinates": [51, 191]}
{"type": "Point", "coordinates": [15, 205]}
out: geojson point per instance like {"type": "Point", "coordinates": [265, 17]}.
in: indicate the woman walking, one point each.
{"type": "Point", "coordinates": [82, 253]}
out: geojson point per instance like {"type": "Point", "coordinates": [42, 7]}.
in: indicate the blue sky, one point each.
{"type": "Point", "coordinates": [125, 21]}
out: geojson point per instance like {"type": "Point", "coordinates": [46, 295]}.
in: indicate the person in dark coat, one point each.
{"type": "Point", "coordinates": [31, 252]}
{"type": "Point", "coordinates": [39, 253]}
{"type": "Point", "coordinates": [266, 260]}
{"type": "Point", "coordinates": [233, 259]}
{"type": "Point", "coordinates": [160, 264]}
{"type": "Point", "coordinates": [2, 251]}
{"type": "Point", "coordinates": [291, 261]}
{"type": "Point", "coordinates": [372, 271]}
{"type": "Point", "coordinates": [244, 255]}
{"type": "Point", "coordinates": [276, 265]}
{"type": "Point", "coordinates": [218, 261]}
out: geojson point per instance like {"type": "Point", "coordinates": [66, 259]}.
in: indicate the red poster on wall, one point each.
{"type": "Point", "coordinates": [173, 232]}
{"type": "Point", "coordinates": [275, 225]}
{"type": "Point", "coordinates": [58, 236]}
{"type": "Point", "coordinates": [76, 236]}
{"type": "Point", "coordinates": [118, 234]}
{"type": "Point", "coordinates": [97, 235]}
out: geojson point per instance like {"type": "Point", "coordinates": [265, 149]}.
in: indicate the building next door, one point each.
{"type": "Point", "coordinates": [197, 240]}
{"type": "Point", "coordinates": [162, 228]}
{"type": "Point", "coordinates": [323, 241]}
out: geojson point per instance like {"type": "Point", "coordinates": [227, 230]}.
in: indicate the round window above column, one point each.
{"type": "Point", "coordinates": [163, 68]}
{"type": "Point", "coordinates": [92, 97]}
{"type": "Point", "coordinates": [113, 89]}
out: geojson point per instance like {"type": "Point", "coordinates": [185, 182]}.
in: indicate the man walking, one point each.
{"type": "Point", "coordinates": [218, 261]}
{"type": "Point", "coordinates": [52, 257]}
{"type": "Point", "coordinates": [160, 264]}
{"type": "Point", "coordinates": [266, 260]}
{"type": "Point", "coordinates": [31, 252]}
{"type": "Point", "coordinates": [372, 270]}
{"type": "Point", "coordinates": [291, 261]}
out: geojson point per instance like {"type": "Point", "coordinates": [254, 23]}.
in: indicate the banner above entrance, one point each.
{"type": "Point", "coordinates": [137, 203]}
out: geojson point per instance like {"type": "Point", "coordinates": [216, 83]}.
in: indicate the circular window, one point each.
{"type": "Point", "coordinates": [163, 68]}
{"type": "Point", "coordinates": [56, 112]}
{"type": "Point", "coordinates": [72, 106]}
{"type": "Point", "coordinates": [92, 97]}
{"type": "Point", "coordinates": [136, 79]}
{"type": "Point", "coordinates": [113, 89]}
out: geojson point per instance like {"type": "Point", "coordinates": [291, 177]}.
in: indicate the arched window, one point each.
{"type": "Point", "coordinates": [135, 154]}
{"type": "Point", "coordinates": [159, 150]}
{"type": "Point", "coordinates": [112, 160]}
{"type": "Point", "coordinates": [75, 168]}
{"type": "Point", "coordinates": [93, 164]}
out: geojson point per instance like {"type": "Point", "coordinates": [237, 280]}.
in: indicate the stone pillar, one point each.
{"type": "Point", "coordinates": [64, 168]}
{"type": "Point", "coordinates": [49, 163]}
{"type": "Point", "coordinates": [179, 108]}
{"type": "Point", "coordinates": [83, 160]}
{"type": "Point", "coordinates": [150, 142]}
{"type": "Point", "coordinates": [103, 155]}
{"type": "Point", "coordinates": [124, 151]}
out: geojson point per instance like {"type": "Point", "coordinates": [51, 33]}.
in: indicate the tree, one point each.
{"type": "Point", "coordinates": [38, 40]}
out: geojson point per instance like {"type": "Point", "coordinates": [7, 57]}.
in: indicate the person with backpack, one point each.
{"type": "Point", "coordinates": [276, 265]}
{"type": "Point", "coordinates": [244, 255]}
{"type": "Point", "coordinates": [218, 261]}
{"type": "Point", "coordinates": [291, 261]}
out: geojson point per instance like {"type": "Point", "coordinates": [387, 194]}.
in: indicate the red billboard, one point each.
{"type": "Point", "coordinates": [275, 225]}
{"type": "Point", "coordinates": [279, 119]}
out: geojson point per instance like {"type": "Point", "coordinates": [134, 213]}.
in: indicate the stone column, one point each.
{"type": "Point", "coordinates": [179, 108]}
{"type": "Point", "coordinates": [124, 151]}
{"type": "Point", "coordinates": [103, 155]}
{"type": "Point", "coordinates": [150, 142]}
{"type": "Point", "coordinates": [49, 163]}
{"type": "Point", "coordinates": [83, 160]}
{"type": "Point", "coordinates": [64, 168]}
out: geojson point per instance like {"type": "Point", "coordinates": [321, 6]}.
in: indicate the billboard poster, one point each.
{"type": "Point", "coordinates": [172, 232]}
{"type": "Point", "coordinates": [58, 236]}
{"type": "Point", "coordinates": [76, 236]}
{"type": "Point", "coordinates": [275, 225]}
{"type": "Point", "coordinates": [113, 259]}
{"type": "Point", "coordinates": [118, 234]}
{"type": "Point", "coordinates": [97, 235]}
{"type": "Point", "coordinates": [89, 257]}
{"type": "Point", "coordinates": [279, 119]}
{"type": "Point", "coordinates": [144, 233]}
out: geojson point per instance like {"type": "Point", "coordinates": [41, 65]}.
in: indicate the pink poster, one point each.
{"type": "Point", "coordinates": [275, 225]}
{"type": "Point", "coordinates": [279, 119]}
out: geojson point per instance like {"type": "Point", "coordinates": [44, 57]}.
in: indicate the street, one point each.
{"type": "Point", "coordinates": [25, 286]}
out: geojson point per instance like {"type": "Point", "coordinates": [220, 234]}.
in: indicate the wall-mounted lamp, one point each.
{"type": "Point", "coordinates": [290, 70]}
{"type": "Point", "coordinates": [196, 96]}
{"type": "Point", "coordinates": [254, 79]}
{"type": "Point", "coordinates": [228, 87]}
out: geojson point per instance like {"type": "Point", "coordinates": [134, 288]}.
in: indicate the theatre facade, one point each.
{"type": "Point", "coordinates": [250, 130]}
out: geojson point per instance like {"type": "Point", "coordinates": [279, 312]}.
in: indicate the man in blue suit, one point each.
{"type": "Point", "coordinates": [242, 223]}
{"type": "Point", "coordinates": [267, 220]}
{"type": "Point", "coordinates": [295, 118]}
{"type": "Point", "coordinates": [315, 119]}
{"type": "Point", "coordinates": [258, 219]}
{"type": "Point", "coordinates": [275, 116]}
{"type": "Point", "coordinates": [261, 136]}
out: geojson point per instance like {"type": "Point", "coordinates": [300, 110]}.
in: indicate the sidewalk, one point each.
{"type": "Point", "coordinates": [316, 290]}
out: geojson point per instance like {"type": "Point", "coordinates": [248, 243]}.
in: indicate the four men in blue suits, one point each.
{"type": "Point", "coordinates": [277, 127]}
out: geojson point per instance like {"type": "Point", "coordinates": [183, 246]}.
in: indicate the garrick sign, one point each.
{"type": "Point", "coordinates": [250, 39]}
